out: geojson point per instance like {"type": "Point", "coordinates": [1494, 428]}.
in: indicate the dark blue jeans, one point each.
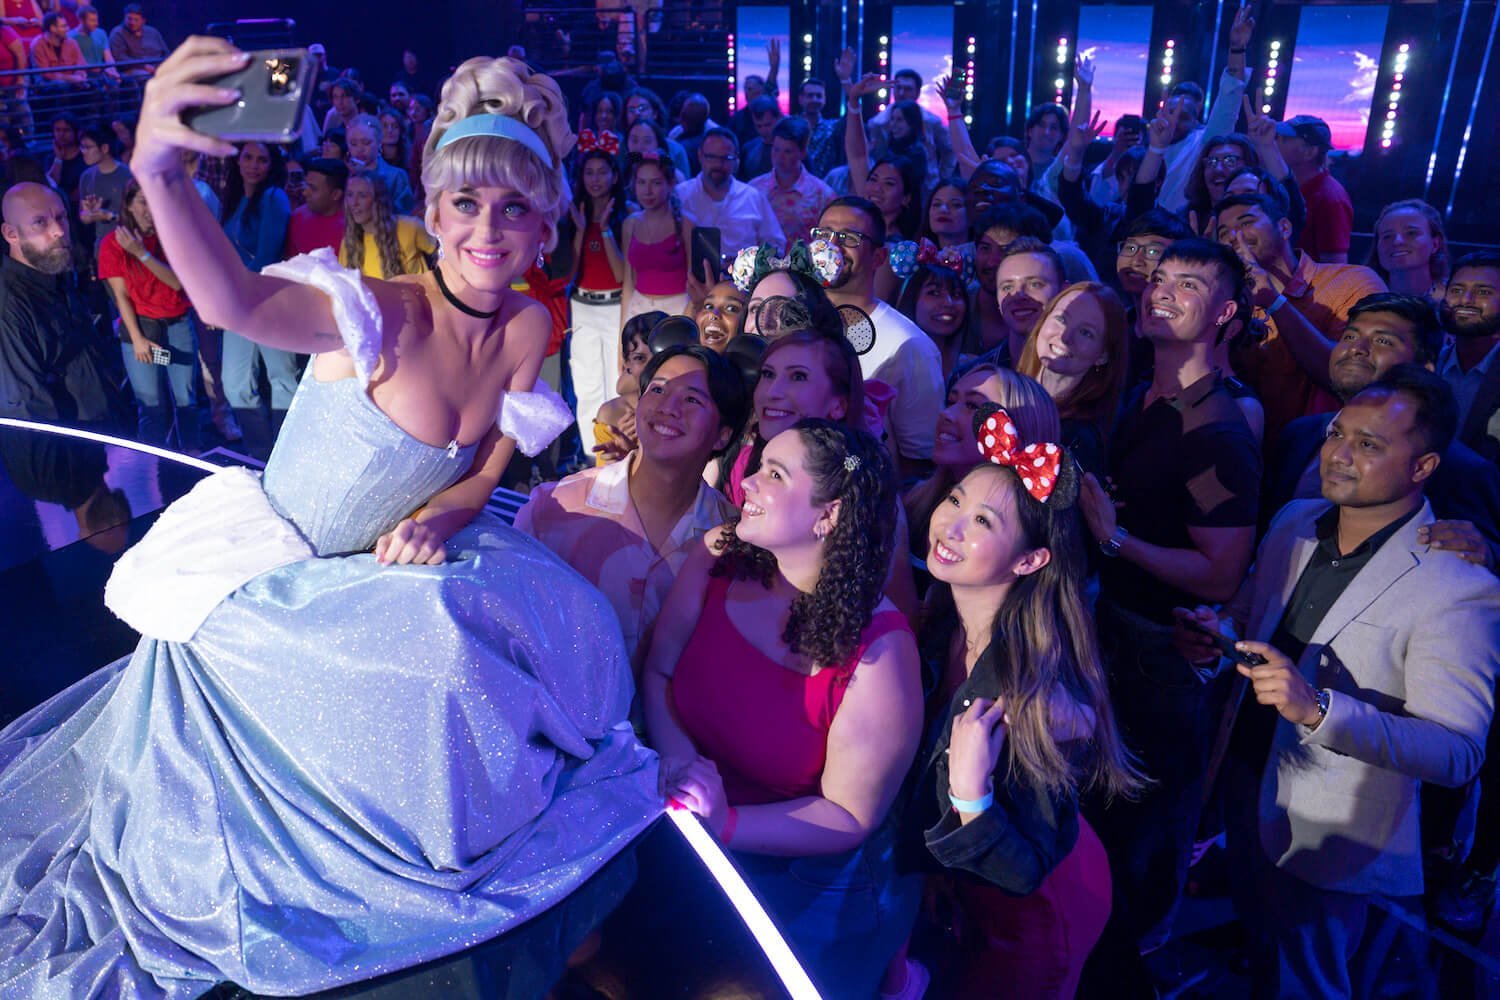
{"type": "Point", "coordinates": [1168, 716]}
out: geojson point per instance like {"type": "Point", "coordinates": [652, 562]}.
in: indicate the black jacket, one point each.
{"type": "Point", "coordinates": [1015, 843]}
{"type": "Point", "coordinates": [54, 364]}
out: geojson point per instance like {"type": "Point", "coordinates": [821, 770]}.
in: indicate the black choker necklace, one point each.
{"type": "Point", "coordinates": [457, 303]}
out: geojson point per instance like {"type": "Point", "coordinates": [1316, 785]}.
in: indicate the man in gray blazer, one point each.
{"type": "Point", "coordinates": [1380, 658]}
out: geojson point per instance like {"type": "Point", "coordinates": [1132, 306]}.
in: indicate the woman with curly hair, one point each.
{"type": "Point", "coordinates": [1023, 725]}
{"type": "Point", "coordinates": [378, 242]}
{"type": "Point", "coordinates": [368, 724]}
{"type": "Point", "coordinates": [791, 739]}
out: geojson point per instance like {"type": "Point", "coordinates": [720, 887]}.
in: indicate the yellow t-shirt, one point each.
{"type": "Point", "coordinates": [414, 243]}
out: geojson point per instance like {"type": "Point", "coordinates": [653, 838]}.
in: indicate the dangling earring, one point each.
{"type": "Point", "coordinates": [541, 257]}
{"type": "Point", "coordinates": [440, 248]}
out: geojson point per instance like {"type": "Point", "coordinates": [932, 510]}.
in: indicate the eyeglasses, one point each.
{"type": "Point", "coordinates": [714, 158]}
{"type": "Point", "coordinates": [1150, 250]}
{"type": "Point", "coordinates": [850, 239]}
{"type": "Point", "coordinates": [1227, 160]}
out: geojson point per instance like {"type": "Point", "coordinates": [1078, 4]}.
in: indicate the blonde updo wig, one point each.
{"type": "Point", "coordinates": [500, 86]}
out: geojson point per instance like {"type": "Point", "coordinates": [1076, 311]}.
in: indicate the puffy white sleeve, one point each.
{"type": "Point", "coordinates": [355, 310]}
{"type": "Point", "coordinates": [534, 419]}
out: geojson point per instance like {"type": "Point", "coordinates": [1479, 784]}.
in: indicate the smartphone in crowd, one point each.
{"type": "Point", "coordinates": [707, 253]}
{"type": "Point", "coordinates": [1224, 644]}
{"type": "Point", "coordinates": [274, 88]}
{"type": "Point", "coordinates": [160, 355]}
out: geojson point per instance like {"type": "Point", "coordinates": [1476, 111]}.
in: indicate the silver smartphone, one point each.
{"type": "Point", "coordinates": [274, 88]}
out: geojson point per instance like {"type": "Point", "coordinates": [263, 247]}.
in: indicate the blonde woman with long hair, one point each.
{"type": "Point", "coordinates": [377, 242]}
{"type": "Point", "coordinates": [369, 724]}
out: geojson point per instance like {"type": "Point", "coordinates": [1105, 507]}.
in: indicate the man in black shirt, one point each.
{"type": "Point", "coordinates": [1179, 529]}
{"type": "Point", "coordinates": [1379, 657]}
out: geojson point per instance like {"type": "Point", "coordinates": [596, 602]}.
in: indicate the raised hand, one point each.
{"type": "Point", "coordinates": [1159, 132]}
{"type": "Point", "coordinates": [867, 84]}
{"type": "Point", "coordinates": [1083, 69]}
{"type": "Point", "coordinates": [604, 214]}
{"type": "Point", "coordinates": [129, 243]}
{"type": "Point", "coordinates": [1243, 28]}
{"type": "Point", "coordinates": [1262, 291]}
{"type": "Point", "coordinates": [175, 88]}
{"type": "Point", "coordinates": [1261, 129]}
{"type": "Point", "coordinates": [773, 57]}
{"type": "Point", "coordinates": [576, 214]}
{"type": "Point", "coordinates": [952, 98]}
{"type": "Point", "coordinates": [1082, 134]}
{"type": "Point", "coordinates": [843, 66]}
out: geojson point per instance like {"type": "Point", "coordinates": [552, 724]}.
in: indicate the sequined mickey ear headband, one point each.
{"type": "Point", "coordinates": [819, 260]}
{"type": "Point", "coordinates": [906, 255]}
{"type": "Point", "coordinates": [501, 127]}
{"type": "Point", "coordinates": [1039, 464]}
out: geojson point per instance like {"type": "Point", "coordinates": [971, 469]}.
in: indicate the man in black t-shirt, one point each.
{"type": "Point", "coordinates": [1178, 530]}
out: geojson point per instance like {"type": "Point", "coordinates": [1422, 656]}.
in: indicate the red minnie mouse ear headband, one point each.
{"type": "Point", "coordinates": [1046, 470]}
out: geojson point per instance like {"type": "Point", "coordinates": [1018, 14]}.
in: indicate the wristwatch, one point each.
{"type": "Point", "coordinates": [1322, 697]}
{"type": "Point", "coordinates": [1111, 546]}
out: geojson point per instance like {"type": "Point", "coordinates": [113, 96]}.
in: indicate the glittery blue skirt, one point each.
{"type": "Point", "coordinates": [348, 770]}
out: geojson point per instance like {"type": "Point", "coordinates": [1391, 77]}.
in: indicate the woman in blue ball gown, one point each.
{"type": "Point", "coordinates": [367, 725]}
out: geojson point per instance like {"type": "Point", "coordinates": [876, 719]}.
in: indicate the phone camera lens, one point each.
{"type": "Point", "coordinates": [281, 78]}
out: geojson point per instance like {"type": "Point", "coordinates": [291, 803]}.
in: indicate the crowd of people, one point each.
{"type": "Point", "coordinates": [990, 533]}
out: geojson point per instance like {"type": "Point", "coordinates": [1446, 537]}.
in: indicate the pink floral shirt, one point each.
{"type": "Point", "coordinates": [589, 521]}
{"type": "Point", "coordinates": [797, 208]}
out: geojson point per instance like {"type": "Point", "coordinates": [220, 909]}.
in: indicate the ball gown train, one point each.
{"type": "Point", "coordinates": [336, 768]}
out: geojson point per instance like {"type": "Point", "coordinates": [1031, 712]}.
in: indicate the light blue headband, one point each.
{"type": "Point", "coordinates": [498, 125]}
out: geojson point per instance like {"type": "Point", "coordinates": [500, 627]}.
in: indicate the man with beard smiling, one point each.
{"type": "Point", "coordinates": [53, 362]}
{"type": "Point", "coordinates": [1386, 330]}
{"type": "Point", "coordinates": [1471, 313]}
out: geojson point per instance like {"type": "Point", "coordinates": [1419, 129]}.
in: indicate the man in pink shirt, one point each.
{"type": "Point", "coordinates": [628, 527]}
{"type": "Point", "coordinates": [319, 220]}
{"type": "Point", "coordinates": [796, 196]}
{"type": "Point", "coordinates": [1305, 142]}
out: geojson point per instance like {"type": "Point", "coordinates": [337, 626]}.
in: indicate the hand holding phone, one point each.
{"type": "Point", "coordinates": [274, 87]}
{"type": "Point", "coordinates": [1221, 642]}
{"type": "Point", "coordinates": [160, 355]}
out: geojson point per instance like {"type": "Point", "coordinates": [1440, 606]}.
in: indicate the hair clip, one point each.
{"type": "Point", "coordinates": [851, 462]}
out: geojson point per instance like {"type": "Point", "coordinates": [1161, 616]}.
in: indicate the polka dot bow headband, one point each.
{"type": "Point", "coordinates": [1039, 465]}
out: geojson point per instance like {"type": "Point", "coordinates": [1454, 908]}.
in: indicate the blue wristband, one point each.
{"type": "Point", "coordinates": [972, 805]}
{"type": "Point", "coordinates": [1276, 304]}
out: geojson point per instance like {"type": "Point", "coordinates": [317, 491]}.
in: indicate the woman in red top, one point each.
{"type": "Point", "coordinates": [25, 16]}
{"type": "Point", "coordinates": [792, 740]}
{"type": "Point", "coordinates": [596, 218]}
{"type": "Point", "coordinates": [157, 324]}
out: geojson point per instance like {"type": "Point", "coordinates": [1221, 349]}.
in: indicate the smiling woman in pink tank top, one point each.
{"type": "Point", "coordinates": [782, 691]}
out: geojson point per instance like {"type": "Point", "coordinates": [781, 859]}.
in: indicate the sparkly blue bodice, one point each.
{"type": "Point", "coordinates": [345, 474]}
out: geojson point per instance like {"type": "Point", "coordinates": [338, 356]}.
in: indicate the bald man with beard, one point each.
{"type": "Point", "coordinates": [54, 363]}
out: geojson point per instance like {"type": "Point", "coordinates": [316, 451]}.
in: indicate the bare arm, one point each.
{"type": "Point", "coordinates": [128, 318]}
{"type": "Point", "coordinates": [959, 139]}
{"type": "Point", "coordinates": [627, 278]}
{"type": "Point", "coordinates": [856, 142]}
{"type": "Point", "coordinates": [1211, 570]}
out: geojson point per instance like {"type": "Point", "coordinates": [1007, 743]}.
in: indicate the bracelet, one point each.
{"type": "Point", "coordinates": [727, 834]}
{"type": "Point", "coordinates": [972, 805]}
{"type": "Point", "coordinates": [1276, 304]}
{"type": "Point", "coordinates": [1159, 150]}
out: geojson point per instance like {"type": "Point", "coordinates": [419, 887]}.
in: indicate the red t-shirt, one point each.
{"type": "Point", "coordinates": [8, 37]}
{"type": "Point", "coordinates": [152, 297]}
{"type": "Point", "coordinates": [306, 231]}
{"type": "Point", "coordinates": [1330, 217]}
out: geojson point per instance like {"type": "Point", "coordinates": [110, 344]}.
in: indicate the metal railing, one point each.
{"type": "Point", "coordinates": [678, 39]}
{"type": "Point", "coordinates": [29, 100]}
